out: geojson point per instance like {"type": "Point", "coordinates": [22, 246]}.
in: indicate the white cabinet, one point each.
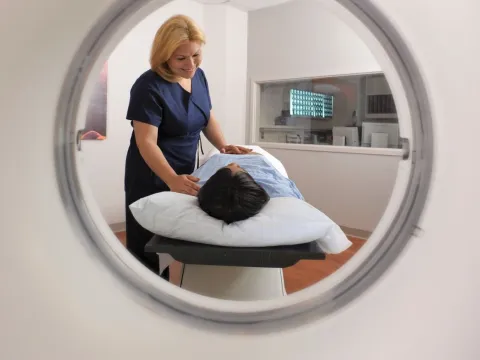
{"type": "Point", "coordinates": [379, 102]}
{"type": "Point", "coordinates": [377, 85]}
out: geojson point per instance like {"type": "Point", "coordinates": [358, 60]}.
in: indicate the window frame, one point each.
{"type": "Point", "coordinates": [252, 123]}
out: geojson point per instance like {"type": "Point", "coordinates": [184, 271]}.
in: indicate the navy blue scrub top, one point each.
{"type": "Point", "coordinates": [180, 117]}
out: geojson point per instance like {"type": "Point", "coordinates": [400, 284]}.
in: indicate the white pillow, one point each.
{"type": "Point", "coordinates": [283, 221]}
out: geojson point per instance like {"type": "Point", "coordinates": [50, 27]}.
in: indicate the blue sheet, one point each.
{"type": "Point", "coordinates": [264, 173]}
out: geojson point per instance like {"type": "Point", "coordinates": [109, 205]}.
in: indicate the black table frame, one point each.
{"type": "Point", "coordinates": [266, 257]}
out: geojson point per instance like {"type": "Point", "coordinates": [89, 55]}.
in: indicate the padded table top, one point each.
{"type": "Point", "coordinates": [267, 257]}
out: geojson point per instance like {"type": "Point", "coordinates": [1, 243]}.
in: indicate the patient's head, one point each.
{"type": "Point", "coordinates": [232, 195]}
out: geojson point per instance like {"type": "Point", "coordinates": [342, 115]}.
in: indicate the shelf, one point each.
{"type": "Point", "coordinates": [381, 116]}
{"type": "Point", "coordinates": [284, 127]}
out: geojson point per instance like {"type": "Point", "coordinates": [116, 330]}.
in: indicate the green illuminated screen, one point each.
{"type": "Point", "coordinates": [310, 104]}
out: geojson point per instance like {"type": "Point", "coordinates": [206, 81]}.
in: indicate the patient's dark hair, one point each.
{"type": "Point", "coordinates": [231, 196]}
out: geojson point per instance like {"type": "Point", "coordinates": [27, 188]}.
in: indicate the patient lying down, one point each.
{"type": "Point", "coordinates": [236, 187]}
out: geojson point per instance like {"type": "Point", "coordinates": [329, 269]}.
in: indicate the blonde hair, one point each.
{"type": "Point", "coordinates": [170, 35]}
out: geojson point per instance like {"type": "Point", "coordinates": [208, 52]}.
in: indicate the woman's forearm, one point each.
{"type": "Point", "coordinates": [214, 133]}
{"type": "Point", "coordinates": [156, 161]}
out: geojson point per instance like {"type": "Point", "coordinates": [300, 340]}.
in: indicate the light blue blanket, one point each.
{"type": "Point", "coordinates": [264, 173]}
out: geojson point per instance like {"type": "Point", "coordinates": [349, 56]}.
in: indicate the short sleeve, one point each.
{"type": "Point", "coordinates": [145, 106]}
{"type": "Point", "coordinates": [207, 88]}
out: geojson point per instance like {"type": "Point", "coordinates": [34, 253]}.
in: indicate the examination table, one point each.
{"type": "Point", "coordinates": [234, 273]}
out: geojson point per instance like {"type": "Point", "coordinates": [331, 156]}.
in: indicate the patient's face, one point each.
{"type": "Point", "coordinates": [234, 168]}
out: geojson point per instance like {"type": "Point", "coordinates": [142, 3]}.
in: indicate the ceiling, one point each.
{"type": "Point", "coordinates": [246, 4]}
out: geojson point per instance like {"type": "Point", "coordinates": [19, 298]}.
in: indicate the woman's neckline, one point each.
{"type": "Point", "coordinates": [191, 86]}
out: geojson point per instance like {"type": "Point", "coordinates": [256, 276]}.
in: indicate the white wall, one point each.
{"type": "Point", "coordinates": [225, 64]}
{"type": "Point", "coordinates": [236, 75]}
{"type": "Point", "coordinates": [104, 160]}
{"type": "Point", "coordinates": [352, 189]}
{"type": "Point", "coordinates": [301, 40]}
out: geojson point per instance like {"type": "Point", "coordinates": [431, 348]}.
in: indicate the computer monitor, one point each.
{"type": "Point", "coordinates": [391, 129]}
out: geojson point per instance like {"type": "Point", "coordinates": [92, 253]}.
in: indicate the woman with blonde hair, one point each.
{"type": "Point", "coordinates": [169, 107]}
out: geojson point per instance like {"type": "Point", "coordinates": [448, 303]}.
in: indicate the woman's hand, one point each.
{"type": "Point", "coordinates": [234, 149]}
{"type": "Point", "coordinates": [184, 184]}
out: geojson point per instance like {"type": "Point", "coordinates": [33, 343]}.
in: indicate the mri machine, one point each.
{"type": "Point", "coordinates": [69, 289]}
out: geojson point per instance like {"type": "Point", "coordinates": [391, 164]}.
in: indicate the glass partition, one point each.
{"type": "Point", "coordinates": [355, 110]}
